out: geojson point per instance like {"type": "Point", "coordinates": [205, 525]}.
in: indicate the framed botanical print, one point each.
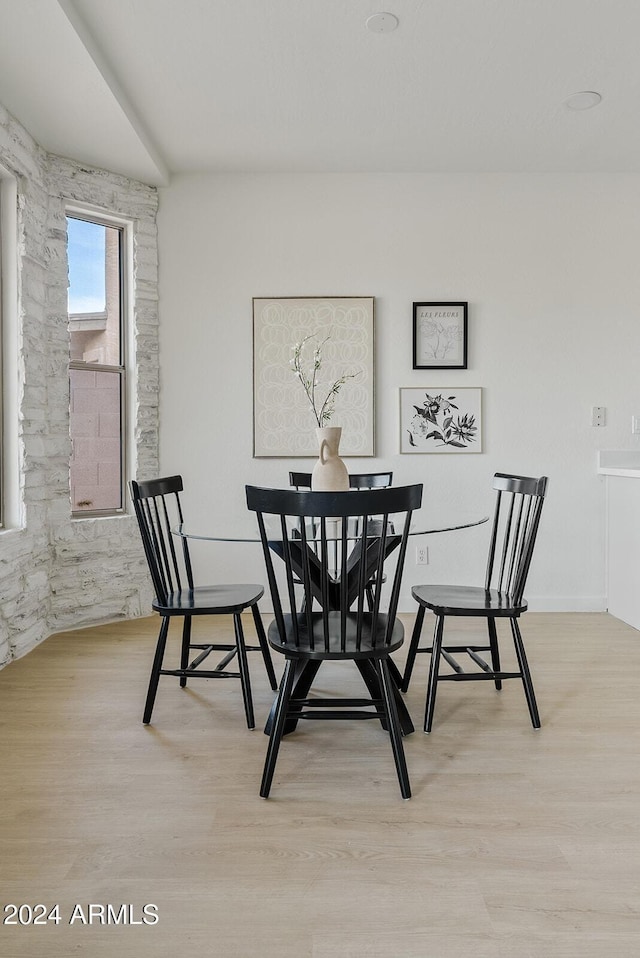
{"type": "Point", "coordinates": [440, 419]}
{"type": "Point", "coordinates": [440, 335]}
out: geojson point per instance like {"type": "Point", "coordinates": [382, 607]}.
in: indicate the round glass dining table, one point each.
{"type": "Point", "coordinates": [244, 529]}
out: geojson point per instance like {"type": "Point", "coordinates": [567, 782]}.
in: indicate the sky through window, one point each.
{"type": "Point", "coordinates": [86, 252]}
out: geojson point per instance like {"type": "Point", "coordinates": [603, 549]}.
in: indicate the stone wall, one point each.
{"type": "Point", "coordinates": [57, 572]}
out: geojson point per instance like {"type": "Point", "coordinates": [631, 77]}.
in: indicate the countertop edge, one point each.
{"type": "Point", "coordinates": [612, 471]}
{"type": "Point", "coordinates": [619, 462]}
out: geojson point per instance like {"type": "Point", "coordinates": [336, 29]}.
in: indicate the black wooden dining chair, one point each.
{"type": "Point", "coordinates": [341, 628]}
{"type": "Point", "coordinates": [519, 501]}
{"type": "Point", "coordinates": [357, 480]}
{"type": "Point", "coordinates": [158, 510]}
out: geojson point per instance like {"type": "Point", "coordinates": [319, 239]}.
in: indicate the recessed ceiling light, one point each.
{"type": "Point", "coordinates": [381, 23]}
{"type": "Point", "coordinates": [583, 101]}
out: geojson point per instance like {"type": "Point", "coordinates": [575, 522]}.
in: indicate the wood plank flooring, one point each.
{"type": "Point", "coordinates": [516, 844]}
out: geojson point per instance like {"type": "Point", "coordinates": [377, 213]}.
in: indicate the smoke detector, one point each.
{"type": "Point", "coordinates": [381, 23]}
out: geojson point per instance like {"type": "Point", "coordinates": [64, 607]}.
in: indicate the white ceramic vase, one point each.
{"type": "Point", "coordinates": [329, 473]}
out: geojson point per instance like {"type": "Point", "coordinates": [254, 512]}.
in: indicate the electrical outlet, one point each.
{"type": "Point", "coordinates": [422, 555]}
{"type": "Point", "coordinates": [635, 425]}
{"type": "Point", "coordinates": [598, 415]}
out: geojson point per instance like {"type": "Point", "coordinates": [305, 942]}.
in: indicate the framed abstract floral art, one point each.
{"type": "Point", "coordinates": [441, 419]}
{"type": "Point", "coordinates": [325, 344]}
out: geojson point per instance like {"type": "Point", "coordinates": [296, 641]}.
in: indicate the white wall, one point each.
{"type": "Point", "coordinates": [548, 264]}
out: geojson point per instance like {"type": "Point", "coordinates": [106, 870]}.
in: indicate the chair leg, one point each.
{"type": "Point", "coordinates": [526, 674]}
{"type": "Point", "coordinates": [245, 680]}
{"type": "Point", "coordinates": [395, 733]}
{"type": "Point", "coordinates": [184, 655]}
{"type": "Point", "coordinates": [432, 685]}
{"type": "Point", "coordinates": [395, 674]}
{"type": "Point", "coordinates": [413, 648]}
{"type": "Point", "coordinates": [264, 646]}
{"type": "Point", "coordinates": [277, 729]}
{"type": "Point", "coordinates": [155, 670]}
{"type": "Point", "coordinates": [370, 599]}
{"type": "Point", "coordinates": [304, 675]}
{"type": "Point", "coordinates": [495, 650]}
{"type": "Point", "coordinates": [371, 678]}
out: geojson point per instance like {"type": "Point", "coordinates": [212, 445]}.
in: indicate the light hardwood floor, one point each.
{"type": "Point", "coordinates": [516, 844]}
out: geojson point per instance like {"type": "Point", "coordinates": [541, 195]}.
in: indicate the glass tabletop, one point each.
{"type": "Point", "coordinates": [244, 528]}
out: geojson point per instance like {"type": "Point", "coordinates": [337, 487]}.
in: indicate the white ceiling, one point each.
{"type": "Point", "coordinates": [154, 87]}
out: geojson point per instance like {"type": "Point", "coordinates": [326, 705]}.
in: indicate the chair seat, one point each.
{"type": "Point", "coordinates": [210, 599]}
{"type": "Point", "coordinates": [372, 646]}
{"type": "Point", "coordinates": [467, 600]}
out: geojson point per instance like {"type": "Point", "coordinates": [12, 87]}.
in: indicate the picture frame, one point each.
{"type": "Point", "coordinates": [440, 335]}
{"type": "Point", "coordinates": [441, 419]}
{"type": "Point", "coordinates": [283, 421]}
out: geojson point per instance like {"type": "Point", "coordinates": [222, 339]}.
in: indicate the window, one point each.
{"type": "Point", "coordinates": [95, 250]}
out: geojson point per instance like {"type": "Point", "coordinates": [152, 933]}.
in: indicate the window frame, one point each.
{"type": "Point", "coordinates": [11, 515]}
{"type": "Point", "coordinates": [2, 311]}
{"type": "Point", "coordinates": [125, 272]}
